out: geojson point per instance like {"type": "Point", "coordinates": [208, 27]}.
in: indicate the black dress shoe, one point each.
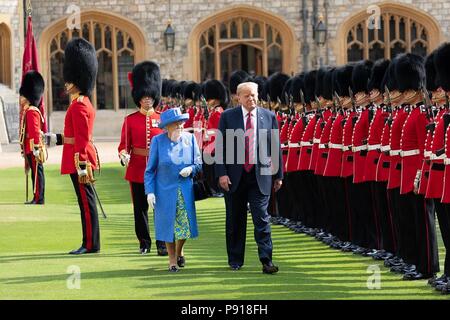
{"type": "Point", "coordinates": [173, 269]}
{"type": "Point", "coordinates": [235, 267]}
{"type": "Point", "coordinates": [416, 275]}
{"type": "Point", "coordinates": [162, 251]}
{"type": "Point", "coordinates": [181, 261]}
{"type": "Point", "coordinates": [269, 268]}
{"type": "Point", "coordinates": [34, 202]}
{"type": "Point", "coordinates": [443, 279]}
{"type": "Point", "coordinates": [83, 250]}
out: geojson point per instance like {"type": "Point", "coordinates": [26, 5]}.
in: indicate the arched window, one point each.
{"type": "Point", "coordinates": [253, 40]}
{"type": "Point", "coordinates": [399, 29]}
{"type": "Point", "coordinates": [5, 55]}
{"type": "Point", "coordinates": [118, 48]}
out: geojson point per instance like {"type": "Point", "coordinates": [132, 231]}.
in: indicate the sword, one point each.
{"type": "Point", "coordinates": [98, 201]}
{"type": "Point", "coordinates": [26, 185]}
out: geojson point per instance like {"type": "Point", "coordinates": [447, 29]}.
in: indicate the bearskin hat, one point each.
{"type": "Point", "coordinates": [176, 90]}
{"type": "Point", "coordinates": [287, 91]}
{"type": "Point", "coordinates": [298, 83]}
{"type": "Point", "coordinates": [276, 84]}
{"type": "Point", "coordinates": [310, 86]}
{"type": "Point", "coordinates": [442, 65]}
{"type": "Point", "coordinates": [80, 65]}
{"type": "Point", "coordinates": [146, 82]}
{"type": "Point", "coordinates": [410, 72]}
{"type": "Point", "coordinates": [215, 89]}
{"type": "Point", "coordinates": [431, 73]}
{"type": "Point", "coordinates": [328, 84]}
{"type": "Point", "coordinates": [390, 77]}
{"type": "Point", "coordinates": [319, 81]}
{"type": "Point", "coordinates": [192, 90]}
{"type": "Point", "coordinates": [236, 78]}
{"type": "Point", "coordinates": [377, 74]}
{"type": "Point", "coordinates": [260, 81]}
{"type": "Point", "coordinates": [361, 76]}
{"type": "Point", "coordinates": [343, 77]}
{"type": "Point", "coordinates": [32, 87]}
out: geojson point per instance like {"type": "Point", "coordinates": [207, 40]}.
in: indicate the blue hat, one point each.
{"type": "Point", "coordinates": [172, 115]}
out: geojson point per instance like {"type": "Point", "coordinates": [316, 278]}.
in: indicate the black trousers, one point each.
{"type": "Point", "coordinates": [383, 214]}
{"type": "Point", "coordinates": [284, 198]}
{"type": "Point", "coordinates": [393, 198]}
{"type": "Point", "coordinates": [338, 212]}
{"type": "Point", "coordinates": [309, 198]}
{"type": "Point", "coordinates": [417, 213]}
{"type": "Point", "coordinates": [140, 208]}
{"type": "Point", "coordinates": [37, 178]}
{"type": "Point", "coordinates": [317, 197]}
{"type": "Point", "coordinates": [236, 220]}
{"type": "Point", "coordinates": [297, 186]}
{"type": "Point", "coordinates": [209, 173]}
{"type": "Point", "coordinates": [362, 211]}
{"type": "Point", "coordinates": [89, 215]}
{"type": "Point", "coordinates": [443, 215]}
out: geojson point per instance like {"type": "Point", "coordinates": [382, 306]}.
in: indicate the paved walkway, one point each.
{"type": "Point", "coordinates": [10, 154]}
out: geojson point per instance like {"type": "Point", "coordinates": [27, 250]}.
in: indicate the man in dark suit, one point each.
{"type": "Point", "coordinates": [248, 165]}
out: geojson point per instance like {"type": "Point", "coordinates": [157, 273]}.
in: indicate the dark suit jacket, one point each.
{"type": "Point", "coordinates": [267, 167]}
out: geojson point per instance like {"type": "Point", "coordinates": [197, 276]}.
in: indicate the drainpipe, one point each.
{"type": "Point", "coordinates": [305, 44]}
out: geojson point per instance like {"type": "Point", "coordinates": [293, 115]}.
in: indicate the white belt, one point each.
{"type": "Point", "coordinates": [323, 146]}
{"type": "Point", "coordinates": [305, 144]}
{"type": "Point", "coordinates": [335, 146]}
{"type": "Point", "coordinates": [294, 145]}
{"type": "Point", "coordinates": [446, 161]}
{"type": "Point", "coordinates": [359, 148]}
{"type": "Point", "coordinates": [385, 148]}
{"type": "Point", "coordinates": [210, 132]}
{"type": "Point", "coordinates": [372, 147]}
{"type": "Point", "coordinates": [347, 148]}
{"type": "Point", "coordinates": [394, 152]}
{"type": "Point", "coordinates": [436, 157]}
{"type": "Point", "coordinates": [316, 140]}
{"type": "Point", "coordinates": [284, 145]}
{"type": "Point", "coordinates": [427, 154]}
{"type": "Point", "coordinates": [409, 153]}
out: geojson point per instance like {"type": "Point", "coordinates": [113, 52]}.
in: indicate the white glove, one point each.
{"type": "Point", "coordinates": [52, 137]}
{"type": "Point", "coordinates": [417, 181]}
{"type": "Point", "coordinates": [36, 152]}
{"type": "Point", "coordinates": [151, 199]}
{"type": "Point", "coordinates": [125, 158]}
{"type": "Point", "coordinates": [186, 172]}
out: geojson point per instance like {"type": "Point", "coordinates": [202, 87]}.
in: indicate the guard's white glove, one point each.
{"type": "Point", "coordinates": [125, 158]}
{"type": "Point", "coordinates": [52, 137]}
{"type": "Point", "coordinates": [417, 181]}
{"type": "Point", "coordinates": [151, 199]}
{"type": "Point", "coordinates": [186, 172]}
{"type": "Point", "coordinates": [36, 152]}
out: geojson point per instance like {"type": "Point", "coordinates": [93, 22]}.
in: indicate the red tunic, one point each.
{"type": "Point", "coordinates": [435, 183]}
{"type": "Point", "coordinates": [306, 145]}
{"type": "Point", "coordinates": [294, 144]}
{"type": "Point", "coordinates": [78, 125]}
{"type": "Point", "coordinates": [333, 166]}
{"type": "Point", "coordinates": [137, 132]}
{"type": "Point", "coordinates": [316, 140]}
{"type": "Point", "coordinates": [396, 134]}
{"type": "Point", "coordinates": [374, 145]}
{"type": "Point", "coordinates": [384, 161]}
{"type": "Point", "coordinates": [323, 146]}
{"type": "Point", "coordinates": [446, 191]}
{"type": "Point", "coordinates": [33, 128]}
{"type": "Point", "coordinates": [359, 142]}
{"type": "Point", "coordinates": [284, 141]}
{"type": "Point", "coordinates": [347, 136]}
{"type": "Point", "coordinates": [211, 130]}
{"type": "Point", "coordinates": [413, 138]}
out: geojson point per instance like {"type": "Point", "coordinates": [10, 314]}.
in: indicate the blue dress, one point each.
{"type": "Point", "coordinates": [162, 178]}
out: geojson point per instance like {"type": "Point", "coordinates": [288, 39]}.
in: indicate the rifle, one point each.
{"type": "Point", "coordinates": [302, 100]}
{"type": "Point", "coordinates": [205, 107]}
{"type": "Point", "coordinates": [269, 102]}
{"type": "Point", "coordinates": [426, 101]}
{"type": "Point", "coordinates": [352, 97]}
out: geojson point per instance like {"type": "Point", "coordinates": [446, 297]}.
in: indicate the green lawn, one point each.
{"type": "Point", "coordinates": [34, 264]}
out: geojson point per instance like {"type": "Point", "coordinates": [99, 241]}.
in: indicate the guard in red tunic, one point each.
{"type": "Point", "coordinates": [410, 73]}
{"type": "Point", "coordinates": [138, 129]}
{"type": "Point", "coordinates": [79, 158]}
{"type": "Point", "coordinates": [217, 100]}
{"type": "Point", "coordinates": [192, 94]}
{"type": "Point", "coordinates": [31, 135]}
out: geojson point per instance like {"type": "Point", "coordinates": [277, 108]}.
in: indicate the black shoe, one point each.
{"type": "Point", "coordinates": [34, 202]}
{"type": "Point", "coordinates": [83, 250]}
{"type": "Point", "coordinates": [438, 281]}
{"type": "Point", "coordinates": [269, 268]}
{"type": "Point", "coordinates": [162, 251]}
{"type": "Point", "coordinates": [181, 261]}
{"type": "Point", "coordinates": [416, 275]}
{"type": "Point", "coordinates": [235, 267]}
{"type": "Point", "coordinates": [173, 269]}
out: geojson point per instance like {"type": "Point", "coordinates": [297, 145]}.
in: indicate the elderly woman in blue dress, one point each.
{"type": "Point", "coordinates": [174, 160]}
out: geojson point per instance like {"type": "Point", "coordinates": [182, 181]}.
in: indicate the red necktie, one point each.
{"type": "Point", "coordinates": [249, 143]}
